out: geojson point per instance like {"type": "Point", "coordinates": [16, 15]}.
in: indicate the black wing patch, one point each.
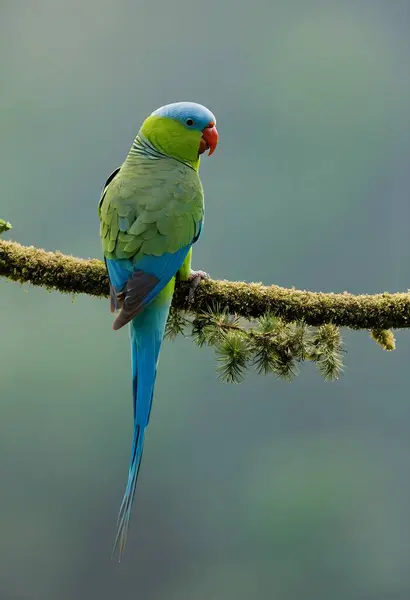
{"type": "Point", "coordinates": [137, 289]}
{"type": "Point", "coordinates": [107, 183]}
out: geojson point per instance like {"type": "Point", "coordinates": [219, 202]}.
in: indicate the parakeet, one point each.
{"type": "Point", "coordinates": [151, 211]}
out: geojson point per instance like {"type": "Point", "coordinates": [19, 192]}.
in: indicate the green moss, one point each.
{"type": "Point", "coordinates": [293, 325]}
{"type": "Point", "coordinates": [4, 226]}
{"type": "Point", "coordinates": [385, 338]}
{"type": "Point", "coordinates": [68, 274]}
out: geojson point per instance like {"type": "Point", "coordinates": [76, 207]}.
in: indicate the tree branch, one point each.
{"type": "Point", "coordinates": [68, 274]}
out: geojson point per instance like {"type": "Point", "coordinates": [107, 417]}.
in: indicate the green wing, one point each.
{"type": "Point", "coordinates": [151, 207]}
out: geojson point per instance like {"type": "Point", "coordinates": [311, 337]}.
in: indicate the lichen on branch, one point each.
{"type": "Point", "coordinates": [278, 314]}
{"type": "Point", "coordinates": [68, 274]}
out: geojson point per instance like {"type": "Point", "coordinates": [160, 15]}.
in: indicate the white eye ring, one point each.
{"type": "Point", "coordinates": [189, 122]}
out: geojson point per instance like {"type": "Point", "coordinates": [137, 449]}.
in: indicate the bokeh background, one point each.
{"type": "Point", "coordinates": [266, 490]}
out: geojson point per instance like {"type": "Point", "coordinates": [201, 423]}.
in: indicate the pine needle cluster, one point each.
{"type": "Point", "coordinates": [267, 345]}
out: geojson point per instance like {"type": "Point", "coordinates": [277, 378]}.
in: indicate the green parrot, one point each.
{"type": "Point", "coordinates": [151, 211]}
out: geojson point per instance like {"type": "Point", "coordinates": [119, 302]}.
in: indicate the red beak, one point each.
{"type": "Point", "coordinates": [210, 135]}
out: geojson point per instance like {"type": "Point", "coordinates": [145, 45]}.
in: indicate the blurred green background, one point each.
{"type": "Point", "coordinates": [266, 490]}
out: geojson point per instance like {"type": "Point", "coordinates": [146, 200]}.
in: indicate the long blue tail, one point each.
{"type": "Point", "coordinates": [146, 333]}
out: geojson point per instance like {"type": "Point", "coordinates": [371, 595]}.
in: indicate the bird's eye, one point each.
{"type": "Point", "coordinates": [189, 122]}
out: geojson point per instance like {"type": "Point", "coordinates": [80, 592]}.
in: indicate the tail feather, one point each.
{"type": "Point", "coordinates": [124, 514]}
{"type": "Point", "coordinates": [146, 333]}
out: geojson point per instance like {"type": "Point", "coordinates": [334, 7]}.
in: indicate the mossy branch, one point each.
{"type": "Point", "coordinates": [277, 341]}
{"type": "Point", "coordinates": [67, 274]}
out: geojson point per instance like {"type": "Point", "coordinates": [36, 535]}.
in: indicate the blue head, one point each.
{"type": "Point", "coordinates": [182, 130]}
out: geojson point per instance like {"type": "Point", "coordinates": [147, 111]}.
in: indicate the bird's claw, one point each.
{"type": "Point", "coordinates": [198, 275]}
{"type": "Point", "coordinates": [195, 279]}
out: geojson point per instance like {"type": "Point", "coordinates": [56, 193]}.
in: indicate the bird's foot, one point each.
{"type": "Point", "coordinates": [195, 279]}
